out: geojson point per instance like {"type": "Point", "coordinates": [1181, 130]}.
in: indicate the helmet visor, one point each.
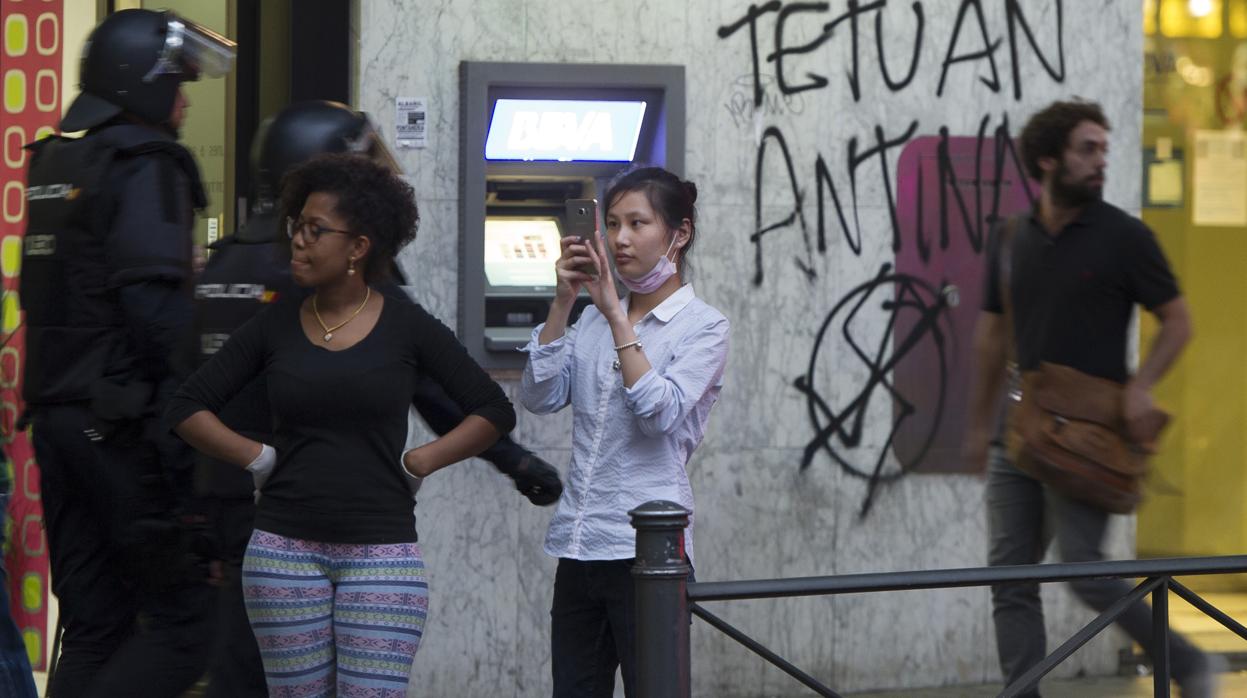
{"type": "Point", "coordinates": [192, 50]}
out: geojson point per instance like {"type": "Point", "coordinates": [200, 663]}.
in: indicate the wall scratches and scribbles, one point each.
{"type": "Point", "coordinates": [941, 191]}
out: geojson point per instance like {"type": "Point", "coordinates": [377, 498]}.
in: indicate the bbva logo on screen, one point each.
{"type": "Point", "coordinates": [544, 131]}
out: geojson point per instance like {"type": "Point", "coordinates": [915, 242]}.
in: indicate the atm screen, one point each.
{"type": "Point", "coordinates": [521, 252]}
{"type": "Point", "coordinates": [565, 130]}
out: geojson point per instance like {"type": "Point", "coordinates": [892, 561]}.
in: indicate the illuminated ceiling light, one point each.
{"type": "Point", "coordinates": [1200, 8]}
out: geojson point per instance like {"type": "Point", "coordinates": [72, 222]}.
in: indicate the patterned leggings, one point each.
{"type": "Point", "coordinates": [334, 618]}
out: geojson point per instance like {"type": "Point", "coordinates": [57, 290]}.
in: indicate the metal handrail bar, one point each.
{"type": "Point", "coordinates": [1031, 678]}
{"type": "Point", "coordinates": [665, 601]}
{"type": "Point", "coordinates": [1208, 609]}
{"type": "Point", "coordinates": [759, 649]}
{"type": "Point", "coordinates": [963, 577]}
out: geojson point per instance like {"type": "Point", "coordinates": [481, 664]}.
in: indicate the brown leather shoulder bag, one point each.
{"type": "Point", "coordinates": [1066, 427]}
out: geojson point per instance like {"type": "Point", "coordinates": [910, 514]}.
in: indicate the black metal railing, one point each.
{"type": "Point", "coordinates": [665, 599]}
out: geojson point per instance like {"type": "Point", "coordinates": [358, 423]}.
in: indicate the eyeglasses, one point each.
{"type": "Point", "coordinates": [311, 231]}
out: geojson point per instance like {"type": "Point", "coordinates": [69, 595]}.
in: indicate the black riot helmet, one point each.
{"type": "Point", "coordinates": [304, 130]}
{"type": "Point", "coordinates": [135, 61]}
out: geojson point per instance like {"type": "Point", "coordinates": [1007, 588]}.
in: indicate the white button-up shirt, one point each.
{"type": "Point", "coordinates": [629, 445]}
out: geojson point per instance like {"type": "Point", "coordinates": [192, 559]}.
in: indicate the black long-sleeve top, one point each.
{"type": "Point", "coordinates": [340, 417]}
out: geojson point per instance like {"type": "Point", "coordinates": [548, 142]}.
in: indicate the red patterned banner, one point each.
{"type": "Point", "coordinates": [30, 77]}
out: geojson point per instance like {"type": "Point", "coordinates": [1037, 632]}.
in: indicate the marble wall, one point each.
{"type": "Point", "coordinates": [759, 513]}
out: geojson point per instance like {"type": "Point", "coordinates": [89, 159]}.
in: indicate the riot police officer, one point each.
{"type": "Point", "coordinates": [245, 272]}
{"type": "Point", "coordinates": [106, 289]}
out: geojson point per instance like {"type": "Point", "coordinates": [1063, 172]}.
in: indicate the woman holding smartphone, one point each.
{"type": "Point", "coordinates": [641, 374]}
{"type": "Point", "coordinates": [333, 577]}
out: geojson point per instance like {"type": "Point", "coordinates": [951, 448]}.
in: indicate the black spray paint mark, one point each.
{"type": "Point", "coordinates": [839, 431]}
{"type": "Point", "coordinates": [898, 85]}
{"type": "Point", "coordinates": [1007, 166]}
{"type": "Point", "coordinates": [1015, 16]}
{"type": "Point", "coordinates": [751, 20]}
{"type": "Point", "coordinates": [988, 51]}
{"type": "Point", "coordinates": [773, 134]}
{"type": "Point", "coordinates": [785, 14]}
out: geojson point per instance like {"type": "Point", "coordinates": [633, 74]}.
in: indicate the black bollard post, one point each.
{"type": "Point", "coordinates": [1160, 640]}
{"type": "Point", "coordinates": [662, 618]}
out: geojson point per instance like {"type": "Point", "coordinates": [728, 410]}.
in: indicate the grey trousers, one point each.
{"type": "Point", "coordinates": [1023, 519]}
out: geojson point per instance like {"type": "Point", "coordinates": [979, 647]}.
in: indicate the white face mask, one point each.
{"type": "Point", "coordinates": [663, 270]}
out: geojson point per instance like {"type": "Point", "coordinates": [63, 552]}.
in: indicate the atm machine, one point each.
{"type": "Point", "coordinates": [532, 136]}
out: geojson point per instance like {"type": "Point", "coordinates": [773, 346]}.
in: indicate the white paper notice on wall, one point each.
{"type": "Point", "coordinates": [1220, 179]}
{"type": "Point", "coordinates": [411, 122]}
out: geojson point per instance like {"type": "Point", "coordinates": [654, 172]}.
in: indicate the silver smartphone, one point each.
{"type": "Point", "coordinates": [582, 221]}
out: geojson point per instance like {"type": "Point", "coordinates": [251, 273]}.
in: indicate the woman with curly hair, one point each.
{"type": "Point", "coordinates": [333, 577]}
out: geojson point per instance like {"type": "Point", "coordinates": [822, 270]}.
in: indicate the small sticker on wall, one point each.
{"type": "Point", "coordinates": [411, 122]}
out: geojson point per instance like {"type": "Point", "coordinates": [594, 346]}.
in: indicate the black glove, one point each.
{"type": "Point", "coordinates": [537, 480]}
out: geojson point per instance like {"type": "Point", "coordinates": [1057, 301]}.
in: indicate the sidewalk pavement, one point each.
{"type": "Point", "coordinates": [1233, 684]}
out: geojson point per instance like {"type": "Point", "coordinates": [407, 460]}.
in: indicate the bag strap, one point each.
{"type": "Point", "coordinates": [1005, 273]}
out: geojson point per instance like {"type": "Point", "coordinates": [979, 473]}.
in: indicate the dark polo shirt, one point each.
{"type": "Point", "coordinates": [1073, 293]}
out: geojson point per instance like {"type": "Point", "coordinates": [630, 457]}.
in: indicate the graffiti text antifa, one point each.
{"type": "Point", "coordinates": [916, 365]}
{"type": "Point", "coordinates": [969, 41]}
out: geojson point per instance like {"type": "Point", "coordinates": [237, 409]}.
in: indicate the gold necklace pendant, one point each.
{"type": "Point", "coordinates": [330, 330]}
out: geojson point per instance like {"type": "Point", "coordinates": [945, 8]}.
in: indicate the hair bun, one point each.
{"type": "Point", "coordinates": [691, 189]}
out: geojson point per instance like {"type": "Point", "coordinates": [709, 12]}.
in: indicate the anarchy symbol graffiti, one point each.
{"type": "Point", "coordinates": [916, 313]}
